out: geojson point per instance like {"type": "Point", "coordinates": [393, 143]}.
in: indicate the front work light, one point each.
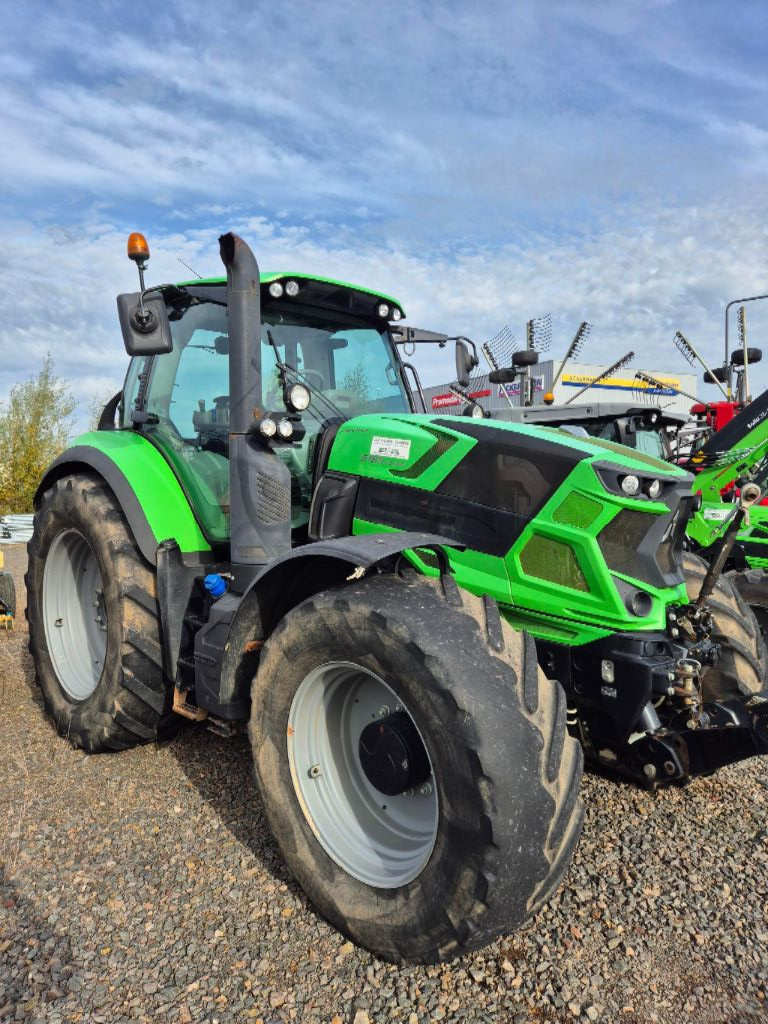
{"type": "Point", "coordinates": [275, 289]}
{"type": "Point", "coordinates": [292, 289]}
{"type": "Point", "coordinates": [630, 484]}
{"type": "Point", "coordinates": [268, 427]}
{"type": "Point", "coordinates": [285, 429]}
{"type": "Point", "coordinates": [297, 397]}
{"type": "Point", "coordinates": [383, 309]}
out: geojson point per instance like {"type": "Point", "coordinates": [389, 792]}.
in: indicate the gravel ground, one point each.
{"type": "Point", "coordinates": [145, 886]}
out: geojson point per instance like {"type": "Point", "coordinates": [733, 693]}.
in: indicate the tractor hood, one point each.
{"type": "Point", "coordinates": [546, 517]}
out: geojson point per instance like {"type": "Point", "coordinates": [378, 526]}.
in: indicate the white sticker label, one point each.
{"type": "Point", "coordinates": [718, 514]}
{"type": "Point", "coordinates": [391, 447]}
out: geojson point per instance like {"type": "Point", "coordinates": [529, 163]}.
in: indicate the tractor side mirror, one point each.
{"type": "Point", "coordinates": [466, 361]}
{"type": "Point", "coordinates": [146, 333]}
{"type": "Point", "coordinates": [754, 355]}
{"type": "Point", "coordinates": [525, 357]}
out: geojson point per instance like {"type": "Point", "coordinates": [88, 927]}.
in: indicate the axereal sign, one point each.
{"type": "Point", "coordinates": [514, 387]}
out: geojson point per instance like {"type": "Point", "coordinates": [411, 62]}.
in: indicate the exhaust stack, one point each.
{"type": "Point", "coordinates": [260, 484]}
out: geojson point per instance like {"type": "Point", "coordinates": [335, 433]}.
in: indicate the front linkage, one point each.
{"type": "Point", "coordinates": [639, 703]}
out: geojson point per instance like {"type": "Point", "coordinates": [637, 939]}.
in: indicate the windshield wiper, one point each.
{"type": "Point", "coordinates": [284, 368]}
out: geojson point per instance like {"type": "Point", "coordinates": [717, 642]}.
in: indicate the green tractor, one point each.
{"type": "Point", "coordinates": [424, 620]}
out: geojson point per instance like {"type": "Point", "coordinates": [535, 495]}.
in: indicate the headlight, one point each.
{"type": "Point", "coordinates": [653, 488]}
{"type": "Point", "coordinates": [297, 397]}
{"type": "Point", "coordinates": [285, 429]}
{"type": "Point", "coordinates": [268, 427]}
{"type": "Point", "coordinates": [639, 603]}
{"type": "Point", "coordinates": [396, 314]}
{"type": "Point", "coordinates": [383, 309]}
{"type": "Point", "coordinates": [477, 413]}
{"type": "Point", "coordinates": [292, 288]}
{"type": "Point", "coordinates": [275, 289]}
{"type": "Point", "coordinates": [630, 484]}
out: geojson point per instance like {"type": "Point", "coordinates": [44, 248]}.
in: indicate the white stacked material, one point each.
{"type": "Point", "coordinates": [15, 529]}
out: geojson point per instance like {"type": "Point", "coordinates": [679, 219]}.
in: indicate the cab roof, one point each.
{"type": "Point", "coordinates": [267, 277]}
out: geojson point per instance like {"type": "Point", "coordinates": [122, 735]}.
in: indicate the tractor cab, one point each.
{"type": "Point", "coordinates": [326, 355]}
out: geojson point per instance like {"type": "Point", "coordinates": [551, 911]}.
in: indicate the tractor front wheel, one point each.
{"type": "Point", "coordinates": [415, 766]}
{"type": "Point", "coordinates": [743, 662]}
{"type": "Point", "coordinates": [93, 621]}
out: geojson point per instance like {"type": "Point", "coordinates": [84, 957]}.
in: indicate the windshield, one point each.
{"type": "Point", "coordinates": [348, 366]}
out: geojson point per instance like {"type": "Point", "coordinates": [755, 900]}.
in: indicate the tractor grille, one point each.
{"type": "Point", "coordinates": [620, 540]}
{"type": "Point", "coordinates": [577, 510]}
{"type": "Point", "coordinates": [645, 547]}
{"type": "Point", "coordinates": [547, 559]}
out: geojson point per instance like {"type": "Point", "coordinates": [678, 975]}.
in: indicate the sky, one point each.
{"type": "Point", "coordinates": [485, 163]}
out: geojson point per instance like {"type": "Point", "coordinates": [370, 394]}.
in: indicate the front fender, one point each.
{"type": "Point", "coordinates": [291, 579]}
{"type": "Point", "coordinates": [148, 492]}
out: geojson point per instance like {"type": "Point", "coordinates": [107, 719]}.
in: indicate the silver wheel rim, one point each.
{"type": "Point", "coordinates": [384, 841]}
{"type": "Point", "coordinates": [74, 616]}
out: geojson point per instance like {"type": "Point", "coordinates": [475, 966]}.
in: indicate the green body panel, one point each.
{"type": "Point", "coordinates": [266, 277]}
{"type": "Point", "coordinates": [157, 490]}
{"type": "Point", "coordinates": [423, 451]}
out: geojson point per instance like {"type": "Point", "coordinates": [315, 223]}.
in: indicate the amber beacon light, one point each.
{"type": "Point", "coordinates": [138, 250]}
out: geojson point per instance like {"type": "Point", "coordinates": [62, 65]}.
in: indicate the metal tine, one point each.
{"type": "Point", "coordinates": [689, 353]}
{"type": "Point", "coordinates": [659, 385]}
{"type": "Point", "coordinates": [581, 335]}
{"type": "Point", "coordinates": [618, 365]}
{"type": "Point", "coordinates": [539, 333]}
{"type": "Point", "coordinates": [500, 347]}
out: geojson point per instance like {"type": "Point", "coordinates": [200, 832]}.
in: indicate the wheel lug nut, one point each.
{"type": "Point", "coordinates": [315, 771]}
{"type": "Point", "coordinates": [383, 711]}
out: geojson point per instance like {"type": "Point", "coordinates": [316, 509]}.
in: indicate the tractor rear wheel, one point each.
{"type": "Point", "coordinates": [7, 593]}
{"type": "Point", "coordinates": [93, 621]}
{"type": "Point", "coordinates": [743, 657]}
{"type": "Point", "coordinates": [415, 766]}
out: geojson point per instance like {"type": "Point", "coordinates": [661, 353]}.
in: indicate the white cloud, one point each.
{"type": "Point", "coordinates": [637, 279]}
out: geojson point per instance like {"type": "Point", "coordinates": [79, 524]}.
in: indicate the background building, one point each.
{"type": "Point", "coordinates": [621, 387]}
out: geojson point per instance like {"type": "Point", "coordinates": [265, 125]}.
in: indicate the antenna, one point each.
{"type": "Point", "coordinates": [618, 365]}
{"type": "Point", "coordinates": [200, 276]}
{"type": "Point", "coordinates": [573, 349]}
{"type": "Point", "coordinates": [689, 354]}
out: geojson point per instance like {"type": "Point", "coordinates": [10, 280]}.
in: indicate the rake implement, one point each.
{"type": "Point", "coordinates": [618, 365]}
{"type": "Point", "coordinates": [689, 353]}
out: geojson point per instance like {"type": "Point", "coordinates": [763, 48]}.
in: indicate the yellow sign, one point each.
{"type": "Point", "coordinates": [578, 380]}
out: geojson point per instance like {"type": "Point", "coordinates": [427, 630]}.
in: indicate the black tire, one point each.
{"type": "Point", "coordinates": [505, 769]}
{"type": "Point", "coordinates": [132, 701]}
{"type": "Point", "coordinates": [754, 355]}
{"type": "Point", "coordinates": [7, 593]}
{"type": "Point", "coordinates": [743, 660]}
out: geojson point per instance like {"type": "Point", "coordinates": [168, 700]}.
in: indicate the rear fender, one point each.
{"type": "Point", "coordinates": [148, 492]}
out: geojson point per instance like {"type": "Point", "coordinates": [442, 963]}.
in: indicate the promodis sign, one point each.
{"type": "Point", "coordinates": [442, 401]}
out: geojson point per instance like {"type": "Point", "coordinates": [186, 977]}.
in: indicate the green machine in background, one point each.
{"type": "Point", "coordinates": [422, 620]}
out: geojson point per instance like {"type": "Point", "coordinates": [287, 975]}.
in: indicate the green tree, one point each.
{"type": "Point", "coordinates": [356, 381]}
{"type": "Point", "coordinates": [96, 406]}
{"type": "Point", "coordinates": [35, 426]}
